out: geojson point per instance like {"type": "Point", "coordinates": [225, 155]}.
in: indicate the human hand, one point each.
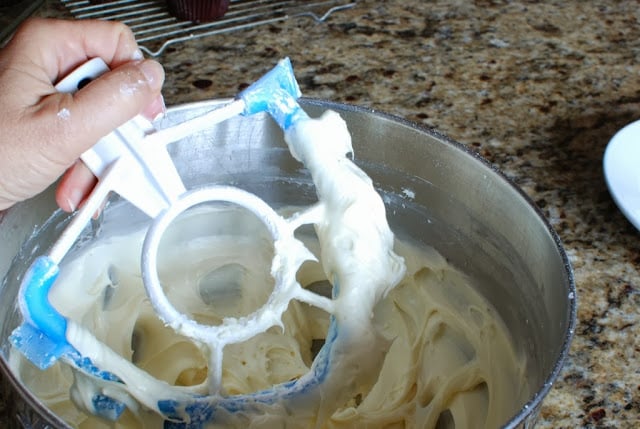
{"type": "Point", "coordinates": [43, 132]}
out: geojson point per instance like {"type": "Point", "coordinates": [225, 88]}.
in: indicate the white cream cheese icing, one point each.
{"type": "Point", "coordinates": [449, 354]}
{"type": "Point", "coordinates": [425, 353]}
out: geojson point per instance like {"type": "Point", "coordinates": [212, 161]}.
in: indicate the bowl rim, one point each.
{"type": "Point", "coordinates": [529, 409]}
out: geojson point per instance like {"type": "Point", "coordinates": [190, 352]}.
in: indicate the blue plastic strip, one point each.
{"type": "Point", "coordinates": [37, 347]}
{"type": "Point", "coordinates": [37, 309]}
{"type": "Point", "coordinates": [276, 93]}
{"type": "Point", "coordinates": [42, 338]}
{"type": "Point", "coordinates": [107, 408]}
{"type": "Point", "coordinates": [201, 411]}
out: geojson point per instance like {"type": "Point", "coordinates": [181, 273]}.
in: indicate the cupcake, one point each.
{"type": "Point", "coordinates": [198, 10]}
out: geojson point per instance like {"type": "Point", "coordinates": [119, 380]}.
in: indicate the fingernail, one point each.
{"type": "Point", "coordinates": [72, 205]}
{"type": "Point", "coordinates": [156, 109]}
{"type": "Point", "coordinates": [162, 108]}
{"type": "Point", "coordinates": [75, 198]}
{"type": "Point", "coordinates": [137, 55]}
{"type": "Point", "coordinates": [153, 73]}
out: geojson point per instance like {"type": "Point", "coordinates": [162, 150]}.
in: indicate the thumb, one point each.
{"type": "Point", "coordinates": [81, 119]}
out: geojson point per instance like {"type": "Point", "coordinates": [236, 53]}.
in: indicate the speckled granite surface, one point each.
{"type": "Point", "coordinates": [538, 88]}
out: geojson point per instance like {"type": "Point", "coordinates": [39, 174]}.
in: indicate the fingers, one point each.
{"type": "Point", "coordinates": [60, 126]}
{"type": "Point", "coordinates": [120, 94]}
{"type": "Point", "coordinates": [78, 181]}
{"type": "Point", "coordinates": [74, 186]}
{"type": "Point", "coordinates": [44, 132]}
{"type": "Point", "coordinates": [71, 124]}
{"type": "Point", "coordinates": [74, 43]}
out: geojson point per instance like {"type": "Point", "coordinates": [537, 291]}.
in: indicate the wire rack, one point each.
{"type": "Point", "coordinates": [155, 28]}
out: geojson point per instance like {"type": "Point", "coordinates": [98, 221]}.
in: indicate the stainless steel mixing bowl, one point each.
{"type": "Point", "coordinates": [437, 192]}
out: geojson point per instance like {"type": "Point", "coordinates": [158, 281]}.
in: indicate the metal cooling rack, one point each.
{"type": "Point", "coordinates": [155, 28]}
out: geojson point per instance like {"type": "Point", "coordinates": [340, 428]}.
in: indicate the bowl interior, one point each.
{"type": "Point", "coordinates": [436, 192]}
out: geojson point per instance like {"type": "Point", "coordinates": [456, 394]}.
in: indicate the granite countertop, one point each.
{"type": "Point", "coordinates": [538, 88]}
